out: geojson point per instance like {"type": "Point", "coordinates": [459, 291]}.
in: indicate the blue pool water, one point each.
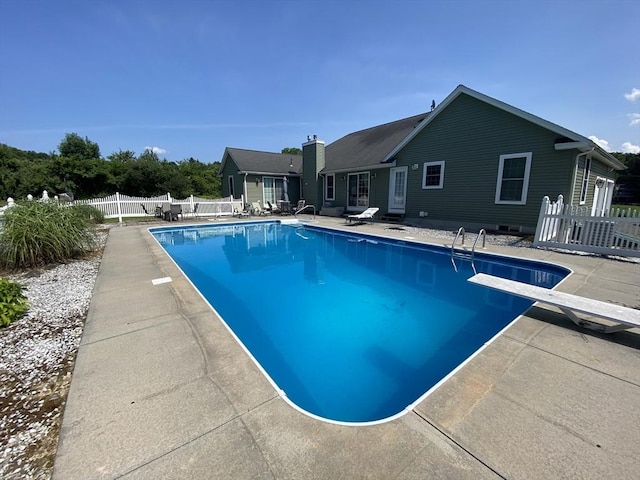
{"type": "Point", "coordinates": [351, 328]}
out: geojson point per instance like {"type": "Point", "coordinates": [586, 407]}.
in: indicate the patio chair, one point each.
{"type": "Point", "coordinates": [273, 207]}
{"type": "Point", "coordinates": [300, 206]}
{"type": "Point", "coordinates": [257, 209]}
{"type": "Point", "coordinates": [176, 211]}
{"type": "Point", "coordinates": [362, 217]}
{"type": "Point", "coordinates": [144, 209]}
{"type": "Point", "coordinates": [245, 212]}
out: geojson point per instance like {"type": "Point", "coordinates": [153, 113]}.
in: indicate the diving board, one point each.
{"type": "Point", "coordinates": [624, 317]}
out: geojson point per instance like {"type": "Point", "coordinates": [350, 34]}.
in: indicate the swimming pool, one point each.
{"type": "Point", "coordinates": [349, 328]}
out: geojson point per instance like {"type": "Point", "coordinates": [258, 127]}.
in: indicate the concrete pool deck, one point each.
{"type": "Point", "coordinates": [161, 389]}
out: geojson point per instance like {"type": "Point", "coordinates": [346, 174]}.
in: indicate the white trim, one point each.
{"type": "Point", "coordinates": [440, 185]}
{"type": "Point", "coordinates": [525, 183]}
{"type": "Point", "coordinates": [561, 131]}
{"type": "Point", "coordinates": [392, 207]}
{"type": "Point", "coordinates": [584, 183]}
{"type": "Point", "coordinates": [231, 183]}
{"type": "Point", "coordinates": [359, 208]}
{"type": "Point", "coordinates": [326, 186]}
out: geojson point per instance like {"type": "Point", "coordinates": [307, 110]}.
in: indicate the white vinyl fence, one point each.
{"type": "Point", "coordinates": [573, 227]}
{"type": "Point", "coordinates": [124, 206]}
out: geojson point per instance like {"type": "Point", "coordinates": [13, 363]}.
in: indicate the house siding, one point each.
{"type": "Point", "coordinates": [469, 136]}
{"type": "Point", "coordinates": [598, 169]}
{"type": "Point", "coordinates": [230, 168]}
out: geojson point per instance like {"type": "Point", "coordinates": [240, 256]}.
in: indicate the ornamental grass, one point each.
{"type": "Point", "coordinates": [39, 233]}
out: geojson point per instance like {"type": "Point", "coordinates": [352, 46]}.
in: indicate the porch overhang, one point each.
{"type": "Point", "coordinates": [364, 168]}
{"type": "Point", "coordinates": [269, 174]}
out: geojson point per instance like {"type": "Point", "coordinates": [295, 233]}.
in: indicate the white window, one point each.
{"type": "Point", "coordinates": [433, 175]}
{"type": "Point", "coordinates": [358, 190]}
{"type": "Point", "coordinates": [231, 192]}
{"type": "Point", "coordinates": [513, 178]}
{"type": "Point", "coordinates": [585, 180]}
{"type": "Point", "coordinates": [330, 187]}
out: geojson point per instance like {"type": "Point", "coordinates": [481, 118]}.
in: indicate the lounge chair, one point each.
{"type": "Point", "coordinates": [244, 213]}
{"type": "Point", "coordinates": [257, 209]}
{"type": "Point", "coordinates": [273, 207]}
{"type": "Point", "coordinates": [362, 217]}
{"type": "Point", "coordinates": [300, 206]}
{"type": "Point", "coordinates": [146, 212]}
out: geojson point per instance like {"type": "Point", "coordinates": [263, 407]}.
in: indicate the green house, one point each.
{"type": "Point", "coordinates": [471, 161]}
{"type": "Point", "coordinates": [261, 176]}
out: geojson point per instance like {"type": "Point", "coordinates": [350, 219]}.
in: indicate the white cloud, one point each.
{"type": "Point", "coordinates": [628, 147]}
{"type": "Point", "coordinates": [156, 150]}
{"type": "Point", "coordinates": [635, 119]}
{"type": "Point", "coordinates": [600, 142]}
{"type": "Point", "coordinates": [634, 95]}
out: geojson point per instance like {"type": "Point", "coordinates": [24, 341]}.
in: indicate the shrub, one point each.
{"type": "Point", "coordinates": [38, 233]}
{"type": "Point", "coordinates": [13, 304]}
{"type": "Point", "coordinates": [90, 213]}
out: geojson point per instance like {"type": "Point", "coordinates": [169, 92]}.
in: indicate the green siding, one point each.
{"type": "Point", "coordinates": [313, 162]}
{"type": "Point", "coordinates": [230, 168]}
{"type": "Point", "coordinates": [254, 191]}
{"type": "Point", "coordinates": [469, 136]}
{"type": "Point", "coordinates": [598, 169]}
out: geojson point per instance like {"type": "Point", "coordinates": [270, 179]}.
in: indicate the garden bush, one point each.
{"type": "Point", "coordinates": [39, 233]}
{"type": "Point", "coordinates": [13, 304]}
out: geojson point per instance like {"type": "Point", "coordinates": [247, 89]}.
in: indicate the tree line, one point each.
{"type": "Point", "coordinates": [630, 178]}
{"type": "Point", "coordinates": [78, 169]}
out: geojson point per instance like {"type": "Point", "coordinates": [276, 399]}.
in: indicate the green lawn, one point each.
{"type": "Point", "coordinates": [630, 209]}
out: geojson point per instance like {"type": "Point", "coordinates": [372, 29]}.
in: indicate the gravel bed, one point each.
{"type": "Point", "coordinates": [37, 356]}
{"type": "Point", "coordinates": [491, 238]}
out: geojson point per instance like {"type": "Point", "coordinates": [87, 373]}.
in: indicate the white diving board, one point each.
{"type": "Point", "coordinates": [624, 317]}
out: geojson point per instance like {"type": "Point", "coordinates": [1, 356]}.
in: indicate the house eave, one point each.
{"type": "Point", "coordinates": [576, 138]}
{"type": "Point", "coordinates": [596, 152]}
{"type": "Point", "coordinates": [364, 168]}
{"type": "Point", "coordinates": [271, 174]}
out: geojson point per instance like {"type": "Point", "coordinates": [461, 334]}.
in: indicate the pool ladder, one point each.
{"type": "Point", "coordinates": [305, 208]}
{"type": "Point", "coordinates": [463, 255]}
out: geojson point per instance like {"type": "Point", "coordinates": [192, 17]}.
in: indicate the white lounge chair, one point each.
{"type": "Point", "coordinates": [257, 209]}
{"type": "Point", "coordinates": [366, 215]}
{"type": "Point", "coordinates": [624, 317]}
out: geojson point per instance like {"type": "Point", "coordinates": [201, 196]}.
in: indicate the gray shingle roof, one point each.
{"type": "Point", "coordinates": [370, 146]}
{"type": "Point", "coordinates": [252, 161]}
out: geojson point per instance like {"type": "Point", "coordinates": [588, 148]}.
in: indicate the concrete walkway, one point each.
{"type": "Point", "coordinates": [161, 390]}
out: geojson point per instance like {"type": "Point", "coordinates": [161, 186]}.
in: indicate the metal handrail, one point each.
{"type": "Point", "coordinates": [460, 230]}
{"type": "Point", "coordinates": [482, 233]}
{"type": "Point", "coordinates": [304, 208]}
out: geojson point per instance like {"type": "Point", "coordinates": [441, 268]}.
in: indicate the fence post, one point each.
{"type": "Point", "coordinates": [539, 228]}
{"type": "Point", "coordinates": [191, 202]}
{"type": "Point", "coordinates": [169, 197]}
{"type": "Point", "coordinates": [119, 207]}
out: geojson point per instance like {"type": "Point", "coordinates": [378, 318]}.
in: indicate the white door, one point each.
{"type": "Point", "coordinates": [602, 196]}
{"type": "Point", "coordinates": [397, 189]}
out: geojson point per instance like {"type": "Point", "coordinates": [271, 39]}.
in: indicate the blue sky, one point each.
{"type": "Point", "coordinates": [189, 78]}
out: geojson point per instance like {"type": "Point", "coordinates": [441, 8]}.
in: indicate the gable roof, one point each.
{"type": "Point", "coordinates": [576, 140]}
{"type": "Point", "coordinates": [370, 146]}
{"type": "Point", "coordinates": [264, 163]}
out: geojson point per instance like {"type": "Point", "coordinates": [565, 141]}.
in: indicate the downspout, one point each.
{"type": "Point", "coordinates": [575, 175]}
{"type": "Point", "coordinates": [244, 188]}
